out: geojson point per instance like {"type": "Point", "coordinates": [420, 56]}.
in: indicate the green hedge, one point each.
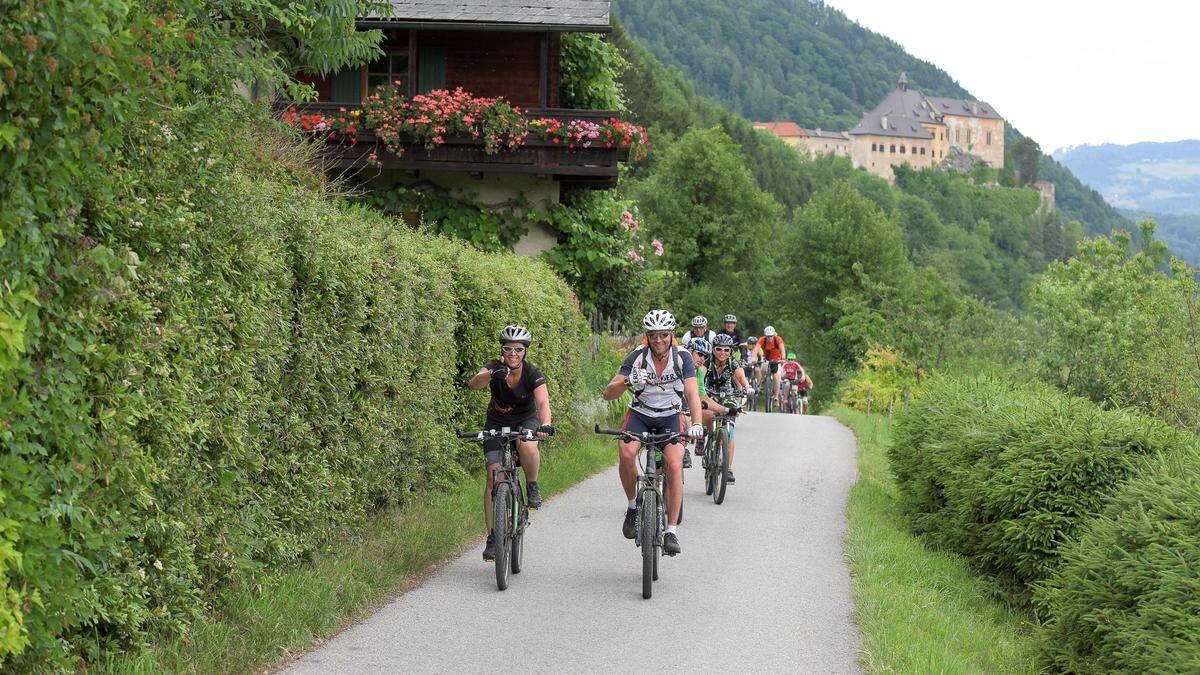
{"type": "Point", "coordinates": [222, 367]}
{"type": "Point", "coordinates": [1006, 473]}
{"type": "Point", "coordinates": [1127, 596]}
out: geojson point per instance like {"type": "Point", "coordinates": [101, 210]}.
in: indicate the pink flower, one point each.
{"type": "Point", "coordinates": [658, 247]}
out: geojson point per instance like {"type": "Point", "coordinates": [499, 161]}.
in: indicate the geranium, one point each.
{"type": "Point", "coordinates": [658, 247]}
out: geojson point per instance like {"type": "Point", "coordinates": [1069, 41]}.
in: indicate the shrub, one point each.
{"type": "Point", "coordinates": [225, 367]}
{"type": "Point", "coordinates": [1127, 596]}
{"type": "Point", "coordinates": [885, 382]}
{"type": "Point", "coordinates": [1006, 473]}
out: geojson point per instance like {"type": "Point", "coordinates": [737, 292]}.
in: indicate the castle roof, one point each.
{"type": "Point", "coordinates": [782, 129]}
{"type": "Point", "coordinates": [962, 107]}
{"type": "Point", "coordinates": [901, 113]}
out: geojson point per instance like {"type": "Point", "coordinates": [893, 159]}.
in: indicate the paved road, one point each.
{"type": "Point", "coordinates": [761, 584]}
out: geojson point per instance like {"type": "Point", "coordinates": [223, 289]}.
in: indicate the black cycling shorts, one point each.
{"type": "Point", "coordinates": [637, 423]}
{"type": "Point", "coordinates": [493, 448]}
{"type": "Point", "coordinates": [774, 366]}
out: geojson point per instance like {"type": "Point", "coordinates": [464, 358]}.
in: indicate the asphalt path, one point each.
{"type": "Point", "coordinates": [761, 584]}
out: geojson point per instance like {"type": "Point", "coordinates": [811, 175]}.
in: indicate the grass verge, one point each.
{"type": "Point", "coordinates": [920, 610]}
{"type": "Point", "coordinates": [257, 627]}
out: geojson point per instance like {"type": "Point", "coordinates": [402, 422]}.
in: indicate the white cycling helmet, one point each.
{"type": "Point", "coordinates": [658, 319]}
{"type": "Point", "coordinates": [769, 331]}
{"type": "Point", "coordinates": [729, 318]}
{"type": "Point", "coordinates": [515, 333]}
{"type": "Point", "coordinates": [699, 322]}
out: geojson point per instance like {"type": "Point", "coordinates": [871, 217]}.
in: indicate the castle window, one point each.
{"type": "Point", "coordinates": [872, 147]}
{"type": "Point", "coordinates": [989, 138]}
{"type": "Point", "coordinates": [893, 149]}
{"type": "Point", "coordinates": [958, 135]}
{"type": "Point", "coordinates": [922, 151]}
{"type": "Point", "coordinates": [902, 149]}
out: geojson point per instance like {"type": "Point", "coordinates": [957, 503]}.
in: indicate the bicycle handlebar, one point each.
{"type": "Point", "coordinates": [520, 434]}
{"type": "Point", "coordinates": [645, 437]}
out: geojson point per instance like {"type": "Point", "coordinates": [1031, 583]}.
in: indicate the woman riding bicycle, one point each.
{"type": "Point", "coordinates": [699, 347]}
{"type": "Point", "coordinates": [520, 400]}
{"type": "Point", "coordinates": [724, 375]}
{"type": "Point", "coordinates": [662, 377]}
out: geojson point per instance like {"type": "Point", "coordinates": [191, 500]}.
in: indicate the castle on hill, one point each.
{"type": "Point", "coordinates": [907, 127]}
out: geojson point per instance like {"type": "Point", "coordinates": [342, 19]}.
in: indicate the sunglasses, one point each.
{"type": "Point", "coordinates": [723, 350]}
{"type": "Point", "coordinates": [660, 335]}
{"type": "Point", "coordinates": [699, 353]}
{"type": "Point", "coordinates": [512, 350]}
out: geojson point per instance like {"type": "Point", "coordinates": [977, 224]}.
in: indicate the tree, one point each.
{"type": "Point", "coordinates": [703, 200]}
{"type": "Point", "coordinates": [1026, 154]}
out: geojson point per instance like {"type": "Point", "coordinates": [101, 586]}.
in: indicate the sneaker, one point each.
{"type": "Point", "coordinates": [670, 544]}
{"type": "Point", "coordinates": [535, 495]}
{"type": "Point", "coordinates": [729, 476]}
{"type": "Point", "coordinates": [629, 528]}
{"type": "Point", "coordinates": [489, 550]}
{"type": "Point", "coordinates": [687, 458]}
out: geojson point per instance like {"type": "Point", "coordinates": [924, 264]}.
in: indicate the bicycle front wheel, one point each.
{"type": "Point", "coordinates": [501, 518]}
{"type": "Point", "coordinates": [722, 464]}
{"type": "Point", "coordinates": [648, 533]}
{"type": "Point", "coordinates": [710, 464]}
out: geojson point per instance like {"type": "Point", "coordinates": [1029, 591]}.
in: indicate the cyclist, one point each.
{"type": "Point", "coordinates": [793, 375]}
{"type": "Point", "coordinates": [699, 348]}
{"type": "Point", "coordinates": [724, 375]}
{"type": "Point", "coordinates": [520, 400]}
{"type": "Point", "coordinates": [772, 349]}
{"type": "Point", "coordinates": [699, 331]}
{"type": "Point", "coordinates": [732, 331]}
{"type": "Point", "coordinates": [753, 362]}
{"type": "Point", "coordinates": [663, 378]}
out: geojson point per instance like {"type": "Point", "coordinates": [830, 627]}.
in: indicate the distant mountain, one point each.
{"type": "Point", "coordinates": [1155, 177]}
{"type": "Point", "coordinates": [1179, 231]}
{"type": "Point", "coordinates": [806, 62]}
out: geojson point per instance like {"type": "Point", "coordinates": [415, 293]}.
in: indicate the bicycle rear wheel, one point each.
{"type": "Point", "coordinates": [648, 533]}
{"type": "Point", "coordinates": [501, 517]}
{"type": "Point", "coordinates": [722, 460]}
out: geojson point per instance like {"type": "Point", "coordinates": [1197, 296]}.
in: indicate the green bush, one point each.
{"type": "Point", "coordinates": [1127, 596]}
{"type": "Point", "coordinates": [1006, 473]}
{"type": "Point", "coordinates": [226, 367]}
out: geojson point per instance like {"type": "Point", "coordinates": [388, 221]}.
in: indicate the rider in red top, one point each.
{"type": "Point", "coordinates": [795, 375]}
{"type": "Point", "coordinates": [771, 346]}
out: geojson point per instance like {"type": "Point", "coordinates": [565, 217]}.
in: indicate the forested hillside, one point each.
{"type": "Point", "coordinates": [808, 63]}
{"type": "Point", "coordinates": [1154, 177]}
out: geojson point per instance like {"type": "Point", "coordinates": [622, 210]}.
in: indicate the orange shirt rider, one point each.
{"type": "Point", "coordinates": [772, 347]}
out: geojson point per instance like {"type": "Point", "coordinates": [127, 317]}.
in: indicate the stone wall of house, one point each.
{"type": "Point", "coordinates": [983, 137]}
{"type": "Point", "coordinates": [816, 145]}
{"type": "Point", "coordinates": [498, 190]}
{"type": "Point", "coordinates": [878, 154]}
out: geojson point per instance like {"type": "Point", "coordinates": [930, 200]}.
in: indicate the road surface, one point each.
{"type": "Point", "coordinates": [761, 584]}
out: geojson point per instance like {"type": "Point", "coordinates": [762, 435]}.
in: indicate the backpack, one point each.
{"type": "Point", "coordinates": [640, 361]}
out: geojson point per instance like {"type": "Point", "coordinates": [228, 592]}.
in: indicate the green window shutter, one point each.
{"type": "Point", "coordinates": [347, 86]}
{"type": "Point", "coordinates": [431, 66]}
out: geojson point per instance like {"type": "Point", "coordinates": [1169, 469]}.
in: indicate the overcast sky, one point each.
{"type": "Point", "coordinates": [1065, 72]}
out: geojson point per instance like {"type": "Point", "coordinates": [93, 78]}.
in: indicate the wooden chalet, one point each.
{"type": "Point", "coordinates": [490, 48]}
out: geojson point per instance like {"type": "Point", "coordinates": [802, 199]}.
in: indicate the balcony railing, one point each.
{"type": "Point", "coordinates": [592, 167]}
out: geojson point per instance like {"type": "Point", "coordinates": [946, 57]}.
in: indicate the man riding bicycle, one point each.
{"type": "Point", "coordinates": [520, 400]}
{"type": "Point", "coordinates": [699, 331]}
{"type": "Point", "coordinates": [724, 376]}
{"type": "Point", "coordinates": [772, 348]}
{"type": "Point", "coordinates": [732, 331]}
{"type": "Point", "coordinates": [662, 378]}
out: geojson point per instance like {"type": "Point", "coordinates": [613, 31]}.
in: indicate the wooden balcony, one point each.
{"type": "Point", "coordinates": [594, 167]}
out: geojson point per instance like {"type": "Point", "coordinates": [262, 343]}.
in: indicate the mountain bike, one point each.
{"type": "Point", "coordinates": [791, 400]}
{"type": "Point", "coordinates": [716, 450]}
{"type": "Point", "coordinates": [651, 507]}
{"type": "Point", "coordinates": [510, 511]}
